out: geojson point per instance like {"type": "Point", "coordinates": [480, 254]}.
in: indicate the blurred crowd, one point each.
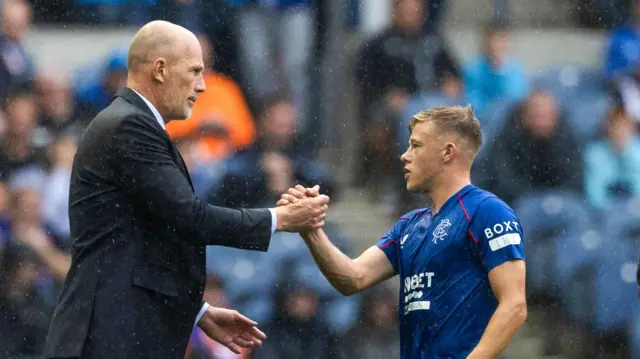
{"type": "Point", "coordinates": [561, 147]}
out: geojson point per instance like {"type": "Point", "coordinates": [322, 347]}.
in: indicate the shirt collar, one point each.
{"type": "Point", "coordinates": [154, 110]}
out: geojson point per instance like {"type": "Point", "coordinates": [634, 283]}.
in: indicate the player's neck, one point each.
{"type": "Point", "coordinates": [445, 189]}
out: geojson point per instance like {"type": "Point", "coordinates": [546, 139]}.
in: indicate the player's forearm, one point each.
{"type": "Point", "coordinates": [504, 324]}
{"type": "Point", "coordinates": [337, 267]}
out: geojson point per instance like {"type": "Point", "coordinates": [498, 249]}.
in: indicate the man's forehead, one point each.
{"type": "Point", "coordinates": [423, 129]}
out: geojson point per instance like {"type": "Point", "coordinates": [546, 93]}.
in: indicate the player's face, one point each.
{"type": "Point", "coordinates": [185, 82]}
{"type": "Point", "coordinates": [423, 159]}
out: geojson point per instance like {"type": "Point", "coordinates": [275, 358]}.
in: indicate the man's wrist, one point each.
{"type": "Point", "coordinates": [274, 220]}
{"type": "Point", "coordinates": [203, 310]}
{"type": "Point", "coordinates": [478, 353]}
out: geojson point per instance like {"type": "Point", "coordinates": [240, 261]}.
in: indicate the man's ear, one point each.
{"type": "Point", "coordinates": [449, 151]}
{"type": "Point", "coordinates": [159, 69]}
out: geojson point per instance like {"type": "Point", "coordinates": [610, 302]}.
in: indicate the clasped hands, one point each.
{"type": "Point", "coordinates": [301, 209]}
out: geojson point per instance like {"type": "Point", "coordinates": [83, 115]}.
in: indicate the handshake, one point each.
{"type": "Point", "coordinates": [301, 210]}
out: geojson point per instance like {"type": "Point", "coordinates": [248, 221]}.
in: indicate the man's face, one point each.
{"type": "Point", "coordinates": [23, 115]}
{"type": "Point", "coordinates": [496, 46]}
{"type": "Point", "coordinates": [410, 14]}
{"type": "Point", "coordinates": [15, 19]}
{"type": "Point", "coordinates": [423, 159]}
{"type": "Point", "coordinates": [541, 115]}
{"type": "Point", "coordinates": [280, 124]}
{"type": "Point", "coordinates": [184, 82]}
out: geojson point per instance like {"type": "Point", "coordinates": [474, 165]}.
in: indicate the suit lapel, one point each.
{"type": "Point", "coordinates": [181, 164]}
{"type": "Point", "coordinates": [137, 101]}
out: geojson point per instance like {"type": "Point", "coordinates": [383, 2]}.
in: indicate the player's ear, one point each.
{"type": "Point", "coordinates": [448, 152]}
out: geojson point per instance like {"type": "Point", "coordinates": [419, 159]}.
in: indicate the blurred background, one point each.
{"type": "Point", "coordinates": [320, 92]}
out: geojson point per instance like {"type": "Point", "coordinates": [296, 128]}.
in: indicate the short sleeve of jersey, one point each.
{"type": "Point", "coordinates": [498, 233]}
{"type": "Point", "coordinates": [390, 244]}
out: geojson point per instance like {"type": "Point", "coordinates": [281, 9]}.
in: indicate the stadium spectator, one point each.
{"type": "Point", "coordinates": [392, 67]}
{"type": "Point", "coordinates": [276, 45]}
{"type": "Point", "coordinates": [20, 147]}
{"type": "Point", "coordinates": [626, 91]}
{"type": "Point", "coordinates": [379, 319]}
{"type": "Point", "coordinates": [493, 75]}
{"type": "Point", "coordinates": [623, 49]}
{"type": "Point", "coordinates": [3, 124]}
{"type": "Point", "coordinates": [24, 312]}
{"type": "Point", "coordinates": [221, 122]}
{"type": "Point", "coordinates": [55, 193]}
{"type": "Point", "coordinates": [612, 163]}
{"type": "Point", "coordinates": [97, 94]}
{"type": "Point", "coordinates": [4, 217]}
{"type": "Point", "coordinates": [28, 229]}
{"type": "Point", "coordinates": [295, 331]}
{"type": "Point", "coordinates": [15, 63]}
{"type": "Point", "coordinates": [534, 150]}
{"type": "Point", "coordinates": [261, 172]}
{"type": "Point", "coordinates": [58, 109]}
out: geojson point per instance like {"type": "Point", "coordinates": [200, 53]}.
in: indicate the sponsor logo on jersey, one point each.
{"type": "Point", "coordinates": [404, 239]}
{"type": "Point", "coordinates": [503, 234]}
{"type": "Point", "coordinates": [413, 291]}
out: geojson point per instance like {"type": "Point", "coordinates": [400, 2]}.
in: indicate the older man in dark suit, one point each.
{"type": "Point", "coordinates": [134, 289]}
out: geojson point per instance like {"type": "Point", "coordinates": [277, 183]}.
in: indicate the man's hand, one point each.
{"type": "Point", "coordinates": [303, 214]}
{"type": "Point", "coordinates": [298, 193]}
{"type": "Point", "coordinates": [231, 329]}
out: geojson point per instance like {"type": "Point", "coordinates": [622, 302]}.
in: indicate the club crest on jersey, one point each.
{"type": "Point", "coordinates": [441, 230]}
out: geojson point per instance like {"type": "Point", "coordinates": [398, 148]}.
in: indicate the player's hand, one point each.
{"type": "Point", "coordinates": [302, 214]}
{"type": "Point", "coordinates": [231, 329]}
{"type": "Point", "coordinates": [298, 193]}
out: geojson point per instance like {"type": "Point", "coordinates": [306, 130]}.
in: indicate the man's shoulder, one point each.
{"type": "Point", "coordinates": [413, 215]}
{"type": "Point", "coordinates": [479, 199]}
{"type": "Point", "coordinates": [118, 111]}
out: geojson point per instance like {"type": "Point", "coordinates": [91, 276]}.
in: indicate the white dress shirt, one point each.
{"type": "Point", "coordinates": [274, 218]}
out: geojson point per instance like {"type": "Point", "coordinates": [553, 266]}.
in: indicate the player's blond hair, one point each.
{"type": "Point", "coordinates": [453, 119]}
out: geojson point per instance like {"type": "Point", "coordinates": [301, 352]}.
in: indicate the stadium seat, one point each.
{"type": "Point", "coordinates": [259, 308]}
{"type": "Point", "coordinates": [615, 290]}
{"type": "Point", "coordinates": [585, 113]}
{"type": "Point", "coordinates": [245, 273]}
{"type": "Point", "coordinates": [286, 246]}
{"type": "Point", "coordinates": [340, 313]}
{"type": "Point", "coordinates": [580, 261]}
{"type": "Point", "coordinates": [546, 217]}
{"type": "Point", "coordinates": [492, 118]}
{"type": "Point", "coordinates": [567, 80]}
{"type": "Point", "coordinates": [581, 94]}
{"type": "Point", "coordinates": [576, 250]}
{"type": "Point", "coordinates": [624, 222]}
{"type": "Point", "coordinates": [634, 333]}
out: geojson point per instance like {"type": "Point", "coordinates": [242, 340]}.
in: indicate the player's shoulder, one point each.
{"type": "Point", "coordinates": [478, 199]}
{"type": "Point", "coordinates": [413, 215]}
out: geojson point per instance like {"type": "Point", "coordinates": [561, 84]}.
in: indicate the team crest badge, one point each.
{"type": "Point", "coordinates": [441, 230]}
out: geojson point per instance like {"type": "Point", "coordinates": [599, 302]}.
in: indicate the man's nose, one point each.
{"type": "Point", "coordinates": [200, 86]}
{"type": "Point", "coordinates": [405, 157]}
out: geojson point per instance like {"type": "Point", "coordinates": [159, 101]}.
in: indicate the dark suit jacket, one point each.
{"type": "Point", "coordinates": [138, 258]}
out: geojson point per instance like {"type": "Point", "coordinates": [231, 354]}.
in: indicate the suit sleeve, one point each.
{"type": "Point", "coordinates": [497, 234]}
{"type": "Point", "coordinates": [144, 167]}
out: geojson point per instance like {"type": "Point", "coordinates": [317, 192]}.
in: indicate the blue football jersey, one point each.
{"type": "Point", "coordinates": [443, 261]}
